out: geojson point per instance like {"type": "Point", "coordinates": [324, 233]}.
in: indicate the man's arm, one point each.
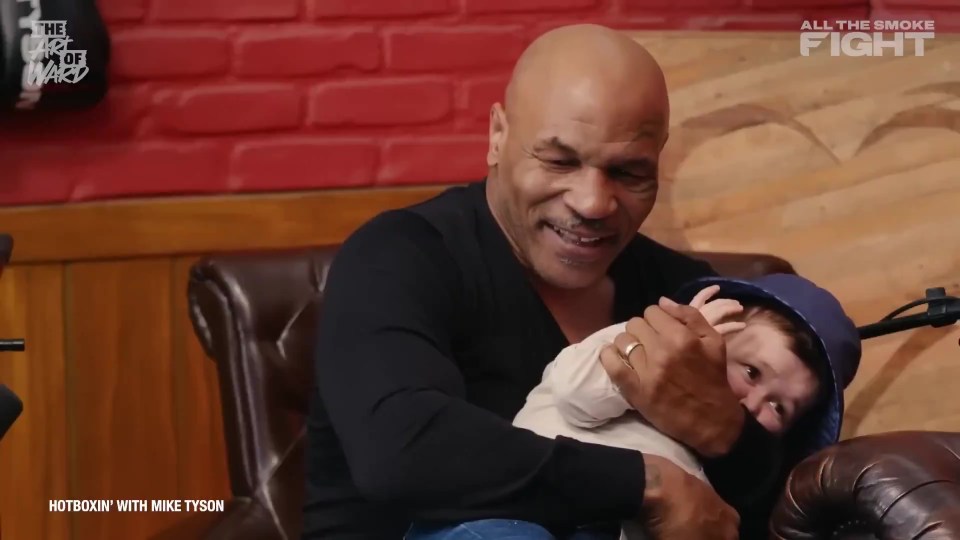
{"type": "Point", "coordinates": [396, 398]}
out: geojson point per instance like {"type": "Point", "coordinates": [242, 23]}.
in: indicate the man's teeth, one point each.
{"type": "Point", "coordinates": [585, 240]}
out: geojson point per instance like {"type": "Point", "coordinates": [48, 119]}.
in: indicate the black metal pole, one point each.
{"type": "Point", "coordinates": [936, 316]}
{"type": "Point", "coordinates": [12, 345]}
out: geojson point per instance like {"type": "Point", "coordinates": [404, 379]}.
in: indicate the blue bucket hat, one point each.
{"type": "Point", "coordinates": [818, 313]}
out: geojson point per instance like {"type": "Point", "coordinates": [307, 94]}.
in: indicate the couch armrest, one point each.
{"type": "Point", "coordinates": [242, 519]}
{"type": "Point", "coordinates": [891, 485]}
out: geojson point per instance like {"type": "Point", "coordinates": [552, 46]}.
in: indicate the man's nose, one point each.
{"type": "Point", "coordinates": [591, 196]}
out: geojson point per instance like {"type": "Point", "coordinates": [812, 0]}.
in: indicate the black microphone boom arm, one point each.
{"type": "Point", "coordinates": [942, 310]}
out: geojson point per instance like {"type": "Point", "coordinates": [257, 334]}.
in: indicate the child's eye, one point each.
{"type": "Point", "coordinates": [778, 408]}
{"type": "Point", "coordinates": [752, 372]}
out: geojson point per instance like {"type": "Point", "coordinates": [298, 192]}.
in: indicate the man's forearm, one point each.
{"type": "Point", "coordinates": [439, 457]}
{"type": "Point", "coordinates": [453, 478]}
{"type": "Point", "coordinates": [599, 483]}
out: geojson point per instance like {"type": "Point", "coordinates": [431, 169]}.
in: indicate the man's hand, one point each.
{"type": "Point", "coordinates": [678, 506]}
{"type": "Point", "coordinates": [670, 365]}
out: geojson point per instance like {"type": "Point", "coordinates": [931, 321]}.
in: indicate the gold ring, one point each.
{"type": "Point", "coordinates": [624, 358]}
{"type": "Point", "coordinates": [630, 348]}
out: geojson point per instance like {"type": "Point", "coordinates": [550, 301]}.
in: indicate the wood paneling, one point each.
{"type": "Point", "coordinates": [34, 453]}
{"type": "Point", "coordinates": [847, 167]}
{"type": "Point", "coordinates": [164, 227]}
{"type": "Point", "coordinates": [120, 341]}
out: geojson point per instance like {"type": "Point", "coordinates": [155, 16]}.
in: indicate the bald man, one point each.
{"type": "Point", "coordinates": [440, 318]}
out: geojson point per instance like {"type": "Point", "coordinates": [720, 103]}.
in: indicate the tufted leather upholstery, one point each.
{"type": "Point", "coordinates": [893, 486]}
{"type": "Point", "coordinates": [255, 315]}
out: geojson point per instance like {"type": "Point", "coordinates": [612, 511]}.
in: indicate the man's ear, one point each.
{"type": "Point", "coordinates": [498, 134]}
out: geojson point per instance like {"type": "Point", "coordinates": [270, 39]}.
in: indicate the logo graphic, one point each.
{"type": "Point", "coordinates": [47, 58]}
{"type": "Point", "coordinates": [50, 59]}
{"type": "Point", "coordinates": [866, 38]}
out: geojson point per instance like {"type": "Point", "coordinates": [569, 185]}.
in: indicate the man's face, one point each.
{"type": "Point", "coordinates": [573, 185]}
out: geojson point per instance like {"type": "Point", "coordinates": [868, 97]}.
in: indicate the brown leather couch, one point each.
{"type": "Point", "coordinates": [891, 486]}
{"type": "Point", "coordinates": [255, 314]}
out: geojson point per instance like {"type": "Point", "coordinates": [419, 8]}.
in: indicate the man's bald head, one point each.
{"type": "Point", "coordinates": [586, 66]}
{"type": "Point", "coordinates": [575, 148]}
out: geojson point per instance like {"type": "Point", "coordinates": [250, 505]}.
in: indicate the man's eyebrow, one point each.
{"type": "Point", "coordinates": [642, 163]}
{"type": "Point", "coordinates": [554, 143]}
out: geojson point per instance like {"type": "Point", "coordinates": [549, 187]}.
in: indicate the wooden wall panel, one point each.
{"type": "Point", "coordinates": [34, 453]}
{"type": "Point", "coordinates": [847, 167]}
{"type": "Point", "coordinates": [188, 225]}
{"type": "Point", "coordinates": [120, 350]}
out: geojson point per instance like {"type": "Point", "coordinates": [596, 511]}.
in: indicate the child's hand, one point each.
{"type": "Point", "coordinates": [716, 311]}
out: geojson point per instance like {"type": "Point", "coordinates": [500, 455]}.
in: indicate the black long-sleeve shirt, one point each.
{"type": "Point", "coordinates": [430, 339]}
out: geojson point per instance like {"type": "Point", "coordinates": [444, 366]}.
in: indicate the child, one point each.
{"type": "Point", "coordinates": [791, 351]}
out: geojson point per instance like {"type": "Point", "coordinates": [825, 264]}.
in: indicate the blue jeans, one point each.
{"type": "Point", "coordinates": [499, 529]}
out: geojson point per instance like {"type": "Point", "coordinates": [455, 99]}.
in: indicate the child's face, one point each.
{"type": "Point", "coordinates": [771, 381]}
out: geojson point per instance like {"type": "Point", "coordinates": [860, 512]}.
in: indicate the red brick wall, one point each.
{"type": "Point", "coordinates": [218, 96]}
